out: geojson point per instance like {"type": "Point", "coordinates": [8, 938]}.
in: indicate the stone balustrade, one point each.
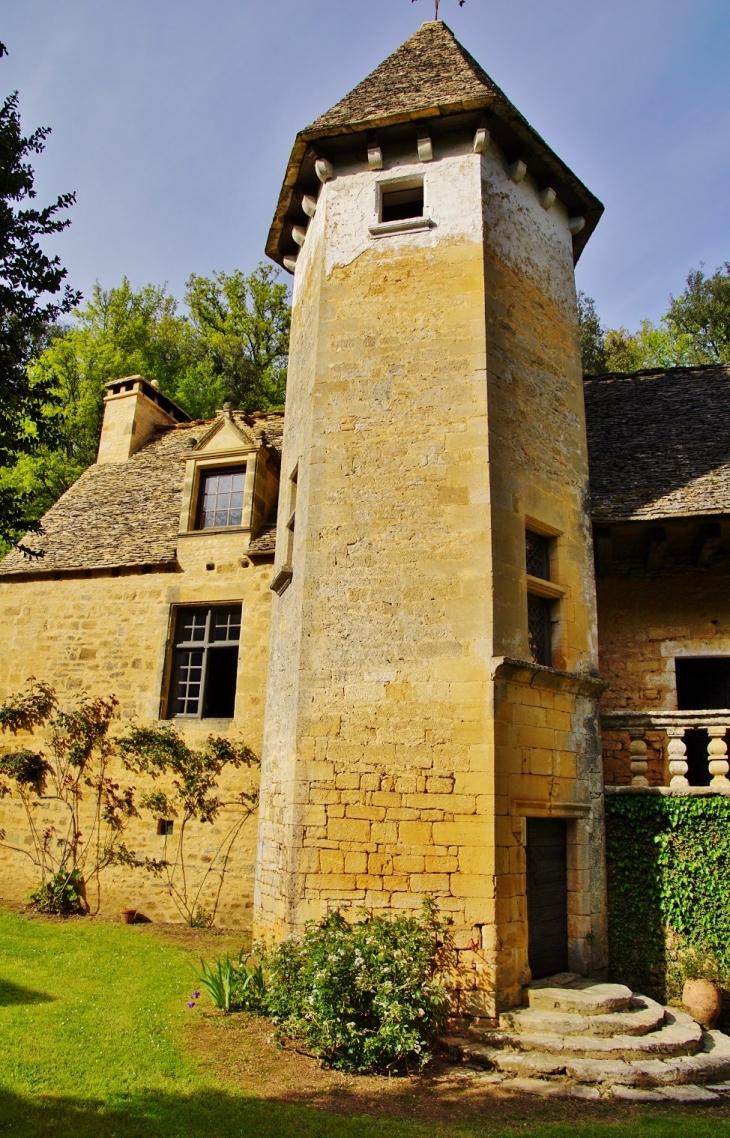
{"type": "Point", "coordinates": [674, 725]}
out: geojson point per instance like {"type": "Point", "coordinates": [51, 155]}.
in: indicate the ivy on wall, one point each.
{"type": "Point", "coordinates": [668, 861]}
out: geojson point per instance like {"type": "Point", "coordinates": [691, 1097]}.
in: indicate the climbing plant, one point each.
{"type": "Point", "coordinates": [668, 860]}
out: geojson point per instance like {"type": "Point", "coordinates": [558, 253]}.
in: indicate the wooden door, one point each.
{"type": "Point", "coordinates": [547, 896]}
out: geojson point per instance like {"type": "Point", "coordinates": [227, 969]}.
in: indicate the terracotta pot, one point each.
{"type": "Point", "coordinates": [701, 999]}
{"type": "Point", "coordinates": [128, 916]}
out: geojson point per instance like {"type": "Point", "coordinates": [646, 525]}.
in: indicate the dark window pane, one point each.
{"type": "Point", "coordinates": [187, 675]}
{"type": "Point", "coordinates": [539, 629]}
{"type": "Point", "coordinates": [220, 696]}
{"type": "Point", "coordinates": [222, 499]}
{"type": "Point", "coordinates": [537, 555]}
{"type": "Point", "coordinates": [191, 625]}
{"type": "Point", "coordinates": [226, 623]}
{"type": "Point", "coordinates": [401, 204]}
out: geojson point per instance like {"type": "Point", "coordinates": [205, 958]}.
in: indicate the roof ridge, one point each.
{"type": "Point", "coordinates": [647, 371]}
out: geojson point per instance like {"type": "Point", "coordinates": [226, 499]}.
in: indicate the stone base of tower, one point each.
{"type": "Point", "coordinates": [356, 832]}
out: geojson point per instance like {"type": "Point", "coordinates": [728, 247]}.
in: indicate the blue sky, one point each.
{"type": "Point", "coordinates": [173, 121]}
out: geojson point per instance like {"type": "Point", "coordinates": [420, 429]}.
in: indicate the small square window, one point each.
{"type": "Point", "coordinates": [165, 826]}
{"type": "Point", "coordinates": [398, 205]}
{"type": "Point", "coordinates": [221, 498]}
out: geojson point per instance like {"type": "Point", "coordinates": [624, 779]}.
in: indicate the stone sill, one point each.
{"type": "Point", "coordinates": [659, 720]}
{"type": "Point", "coordinates": [670, 791]}
{"type": "Point", "coordinates": [540, 675]}
{"type": "Point", "coordinates": [407, 225]}
{"type": "Point", "coordinates": [213, 530]}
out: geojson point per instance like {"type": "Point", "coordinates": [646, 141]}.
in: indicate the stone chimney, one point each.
{"type": "Point", "coordinates": [133, 409]}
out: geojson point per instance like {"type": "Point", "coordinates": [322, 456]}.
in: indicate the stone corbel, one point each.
{"type": "Point", "coordinates": [375, 153]}
{"type": "Point", "coordinates": [282, 580]}
{"type": "Point", "coordinates": [425, 147]}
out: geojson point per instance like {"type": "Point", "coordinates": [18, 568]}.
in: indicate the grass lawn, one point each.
{"type": "Point", "coordinates": [96, 1040]}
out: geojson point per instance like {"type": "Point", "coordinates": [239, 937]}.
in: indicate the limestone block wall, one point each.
{"type": "Point", "coordinates": [104, 634]}
{"type": "Point", "coordinates": [376, 717]}
{"type": "Point", "coordinates": [644, 623]}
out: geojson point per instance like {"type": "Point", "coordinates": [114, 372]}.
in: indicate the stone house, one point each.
{"type": "Point", "coordinates": [390, 592]}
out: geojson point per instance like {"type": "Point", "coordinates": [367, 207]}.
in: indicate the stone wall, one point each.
{"type": "Point", "coordinates": [108, 634]}
{"type": "Point", "coordinates": [646, 620]}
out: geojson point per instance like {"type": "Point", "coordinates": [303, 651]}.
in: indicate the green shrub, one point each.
{"type": "Point", "coordinates": [668, 861]}
{"type": "Point", "coordinates": [60, 894]}
{"type": "Point", "coordinates": [361, 996]}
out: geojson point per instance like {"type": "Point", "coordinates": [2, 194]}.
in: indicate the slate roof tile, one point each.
{"type": "Point", "coordinates": [126, 514]}
{"type": "Point", "coordinates": [659, 443]}
{"type": "Point", "coordinates": [430, 70]}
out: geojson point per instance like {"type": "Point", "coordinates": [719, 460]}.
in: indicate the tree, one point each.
{"type": "Point", "coordinates": [592, 336]}
{"type": "Point", "coordinates": [702, 314]}
{"type": "Point", "coordinates": [233, 346]}
{"type": "Point", "coordinates": [28, 279]}
{"type": "Point", "coordinates": [119, 332]}
{"type": "Point", "coordinates": [243, 324]}
{"type": "Point", "coordinates": [694, 330]}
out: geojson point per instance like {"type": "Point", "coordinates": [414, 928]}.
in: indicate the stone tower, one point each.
{"type": "Point", "coordinates": [431, 722]}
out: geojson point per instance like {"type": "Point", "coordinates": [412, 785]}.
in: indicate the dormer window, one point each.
{"type": "Point", "coordinates": [221, 498]}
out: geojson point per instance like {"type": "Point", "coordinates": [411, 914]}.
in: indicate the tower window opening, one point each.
{"type": "Point", "coordinates": [537, 555]}
{"type": "Point", "coordinates": [397, 205]}
{"type": "Point", "coordinates": [539, 629]}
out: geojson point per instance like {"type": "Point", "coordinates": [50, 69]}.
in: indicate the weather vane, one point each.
{"type": "Point", "coordinates": [436, 7]}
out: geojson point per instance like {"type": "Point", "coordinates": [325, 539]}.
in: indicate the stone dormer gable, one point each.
{"type": "Point", "coordinates": [231, 457]}
{"type": "Point", "coordinates": [228, 433]}
{"type": "Point", "coordinates": [429, 84]}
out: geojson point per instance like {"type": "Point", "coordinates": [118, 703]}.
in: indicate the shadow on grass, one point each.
{"type": "Point", "coordinates": [209, 1114]}
{"type": "Point", "coordinates": [14, 994]}
{"type": "Point", "coordinates": [216, 1114]}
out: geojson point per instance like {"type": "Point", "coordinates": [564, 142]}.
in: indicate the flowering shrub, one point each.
{"type": "Point", "coordinates": [361, 996]}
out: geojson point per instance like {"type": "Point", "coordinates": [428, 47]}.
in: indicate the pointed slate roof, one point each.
{"type": "Point", "coordinates": [430, 72]}
{"type": "Point", "coordinates": [430, 76]}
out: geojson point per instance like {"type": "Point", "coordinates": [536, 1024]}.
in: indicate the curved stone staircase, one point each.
{"type": "Point", "coordinates": [588, 1039]}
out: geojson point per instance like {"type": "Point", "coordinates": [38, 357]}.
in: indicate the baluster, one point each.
{"type": "Point", "coordinates": [718, 764]}
{"type": "Point", "coordinates": [637, 753]}
{"type": "Point", "coordinates": [677, 752]}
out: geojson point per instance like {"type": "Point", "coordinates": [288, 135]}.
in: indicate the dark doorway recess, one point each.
{"type": "Point", "coordinates": [703, 682]}
{"type": "Point", "coordinates": [547, 896]}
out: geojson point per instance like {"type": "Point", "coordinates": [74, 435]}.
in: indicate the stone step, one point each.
{"type": "Point", "coordinates": [643, 1015]}
{"type": "Point", "coordinates": [710, 1065]}
{"type": "Point", "coordinates": [679, 1035]}
{"type": "Point", "coordinates": [685, 1094]}
{"type": "Point", "coordinates": [578, 996]}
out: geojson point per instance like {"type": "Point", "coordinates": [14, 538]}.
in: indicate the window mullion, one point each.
{"type": "Point", "coordinates": [204, 672]}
